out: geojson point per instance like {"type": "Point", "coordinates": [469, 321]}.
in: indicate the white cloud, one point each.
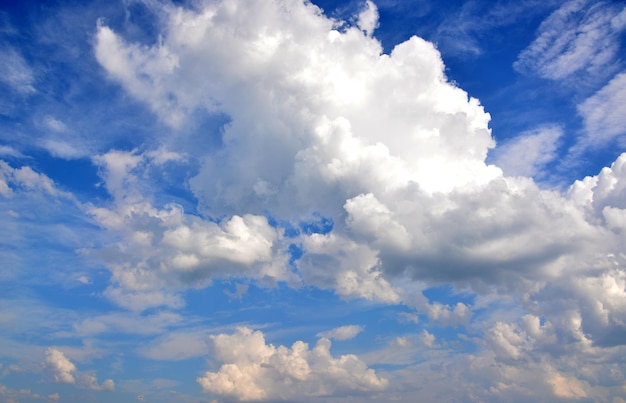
{"type": "Point", "coordinates": [10, 152]}
{"type": "Point", "coordinates": [253, 370]}
{"type": "Point", "coordinates": [322, 123]}
{"type": "Point", "coordinates": [580, 36]}
{"type": "Point", "coordinates": [368, 18]}
{"type": "Point", "coordinates": [607, 190]}
{"type": "Point", "coordinates": [356, 269]}
{"type": "Point", "coordinates": [429, 339]}
{"type": "Point", "coordinates": [64, 371]}
{"type": "Point", "coordinates": [342, 333]}
{"type": "Point", "coordinates": [54, 124]}
{"type": "Point", "coordinates": [448, 316]}
{"type": "Point", "coordinates": [381, 144]}
{"type": "Point", "coordinates": [62, 149]}
{"type": "Point", "coordinates": [327, 130]}
{"type": "Point", "coordinates": [528, 153]}
{"type": "Point", "coordinates": [15, 72]}
{"type": "Point", "coordinates": [603, 116]}
{"type": "Point", "coordinates": [567, 388]}
{"type": "Point", "coordinates": [25, 179]}
{"type": "Point", "coordinates": [161, 249]}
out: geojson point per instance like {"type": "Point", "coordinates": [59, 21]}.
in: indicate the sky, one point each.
{"type": "Point", "coordinates": [326, 201]}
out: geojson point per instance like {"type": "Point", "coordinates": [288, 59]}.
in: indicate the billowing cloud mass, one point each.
{"type": "Point", "coordinates": [335, 172]}
{"type": "Point", "coordinates": [389, 150]}
{"type": "Point", "coordinates": [252, 370]}
{"type": "Point", "coordinates": [322, 154]}
{"type": "Point", "coordinates": [384, 146]}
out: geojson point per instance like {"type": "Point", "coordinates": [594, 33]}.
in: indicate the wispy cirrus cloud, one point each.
{"type": "Point", "coordinates": [602, 114]}
{"type": "Point", "coordinates": [15, 71]}
{"type": "Point", "coordinates": [580, 38]}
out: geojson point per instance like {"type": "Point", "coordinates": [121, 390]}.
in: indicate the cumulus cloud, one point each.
{"type": "Point", "coordinates": [62, 368]}
{"type": "Point", "coordinates": [161, 248]}
{"type": "Point", "coordinates": [380, 144]}
{"type": "Point", "coordinates": [325, 140]}
{"type": "Point", "coordinates": [25, 179]}
{"type": "Point", "coordinates": [356, 268]}
{"type": "Point", "coordinates": [391, 156]}
{"type": "Point", "coordinates": [252, 370]}
{"type": "Point", "coordinates": [321, 123]}
{"type": "Point", "coordinates": [64, 371]}
{"type": "Point", "coordinates": [580, 36]}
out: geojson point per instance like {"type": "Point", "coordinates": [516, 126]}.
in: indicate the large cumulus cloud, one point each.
{"type": "Point", "coordinates": [323, 123]}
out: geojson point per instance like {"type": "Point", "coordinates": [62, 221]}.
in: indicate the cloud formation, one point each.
{"type": "Point", "coordinates": [164, 248]}
{"type": "Point", "coordinates": [64, 371]}
{"type": "Point", "coordinates": [527, 154]}
{"type": "Point", "coordinates": [342, 333]}
{"type": "Point", "coordinates": [579, 37]}
{"type": "Point", "coordinates": [252, 370]}
{"type": "Point", "coordinates": [383, 145]}
{"type": "Point", "coordinates": [335, 167]}
{"type": "Point", "coordinates": [15, 72]}
{"type": "Point", "coordinates": [602, 121]}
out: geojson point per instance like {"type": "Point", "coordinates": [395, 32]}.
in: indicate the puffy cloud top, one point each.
{"type": "Point", "coordinates": [252, 370]}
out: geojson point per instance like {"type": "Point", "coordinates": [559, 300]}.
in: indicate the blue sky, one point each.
{"type": "Point", "coordinates": [327, 201]}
